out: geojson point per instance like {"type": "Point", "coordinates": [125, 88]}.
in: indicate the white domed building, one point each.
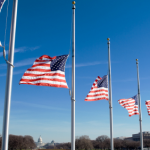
{"type": "Point", "coordinates": [40, 140]}
{"type": "Point", "coordinates": [40, 143]}
{"type": "Point", "coordinates": [52, 142]}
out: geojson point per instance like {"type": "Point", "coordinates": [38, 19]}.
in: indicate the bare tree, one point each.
{"type": "Point", "coordinates": [146, 143]}
{"type": "Point", "coordinates": [25, 142]}
{"type": "Point", "coordinates": [84, 137]}
{"type": "Point", "coordinates": [84, 142]}
{"type": "Point", "coordinates": [129, 144]}
{"type": "Point", "coordinates": [62, 146]}
{"type": "Point", "coordinates": [95, 144]}
{"type": "Point", "coordinates": [135, 144]}
{"type": "Point", "coordinates": [106, 144]}
{"type": "Point", "coordinates": [101, 141]}
{"type": "Point", "coordinates": [28, 142]}
{"type": "Point", "coordinates": [31, 142]}
{"type": "Point", "coordinates": [125, 143]}
{"type": "Point", "coordinates": [0, 142]}
{"type": "Point", "coordinates": [12, 144]}
{"type": "Point", "coordinates": [102, 138]}
{"type": "Point", "coordinates": [117, 143]}
{"type": "Point", "coordinates": [20, 142]}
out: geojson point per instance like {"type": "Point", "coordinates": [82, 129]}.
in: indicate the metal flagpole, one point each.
{"type": "Point", "coordinates": [110, 97]}
{"type": "Point", "coordinates": [139, 100]}
{"type": "Point", "coordinates": [9, 77]}
{"type": "Point", "coordinates": [73, 81]}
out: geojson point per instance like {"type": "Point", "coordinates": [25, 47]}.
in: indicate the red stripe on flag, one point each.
{"type": "Point", "coordinates": [46, 79]}
{"type": "Point", "coordinates": [44, 65]}
{"type": "Point", "coordinates": [100, 90]}
{"type": "Point", "coordinates": [46, 56]}
{"type": "Point", "coordinates": [40, 70]}
{"type": "Point", "coordinates": [96, 99]}
{"type": "Point", "coordinates": [47, 84]}
{"type": "Point", "coordinates": [45, 74]}
{"type": "Point", "coordinates": [97, 95]}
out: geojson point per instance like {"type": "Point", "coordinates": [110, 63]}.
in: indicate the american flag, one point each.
{"type": "Point", "coordinates": [131, 104]}
{"type": "Point", "coordinates": [46, 71]}
{"type": "Point", "coordinates": [1, 4]}
{"type": "Point", "coordinates": [99, 89]}
{"type": "Point", "coordinates": [147, 103]}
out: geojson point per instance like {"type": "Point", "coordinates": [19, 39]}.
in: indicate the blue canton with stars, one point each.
{"type": "Point", "coordinates": [136, 99]}
{"type": "Point", "coordinates": [59, 63]}
{"type": "Point", "coordinates": [103, 82]}
{"type": "Point", "coordinates": [1, 4]}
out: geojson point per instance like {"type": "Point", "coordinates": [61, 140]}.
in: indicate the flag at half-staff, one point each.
{"type": "Point", "coordinates": [1, 4]}
{"type": "Point", "coordinates": [131, 104]}
{"type": "Point", "coordinates": [147, 103]}
{"type": "Point", "coordinates": [46, 71]}
{"type": "Point", "coordinates": [99, 89]}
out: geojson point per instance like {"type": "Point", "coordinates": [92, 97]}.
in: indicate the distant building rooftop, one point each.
{"type": "Point", "coordinates": [136, 137]}
{"type": "Point", "coordinates": [128, 138]}
{"type": "Point", "coordinates": [121, 137]}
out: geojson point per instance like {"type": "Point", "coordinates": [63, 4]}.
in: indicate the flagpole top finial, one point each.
{"type": "Point", "coordinates": [136, 59]}
{"type": "Point", "coordinates": [108, 39]}
{"type": "Point", "coordinates": [73, 2]}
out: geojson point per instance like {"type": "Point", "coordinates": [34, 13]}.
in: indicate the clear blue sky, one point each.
{"type": "Point", "coordinates": [44, 27]}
